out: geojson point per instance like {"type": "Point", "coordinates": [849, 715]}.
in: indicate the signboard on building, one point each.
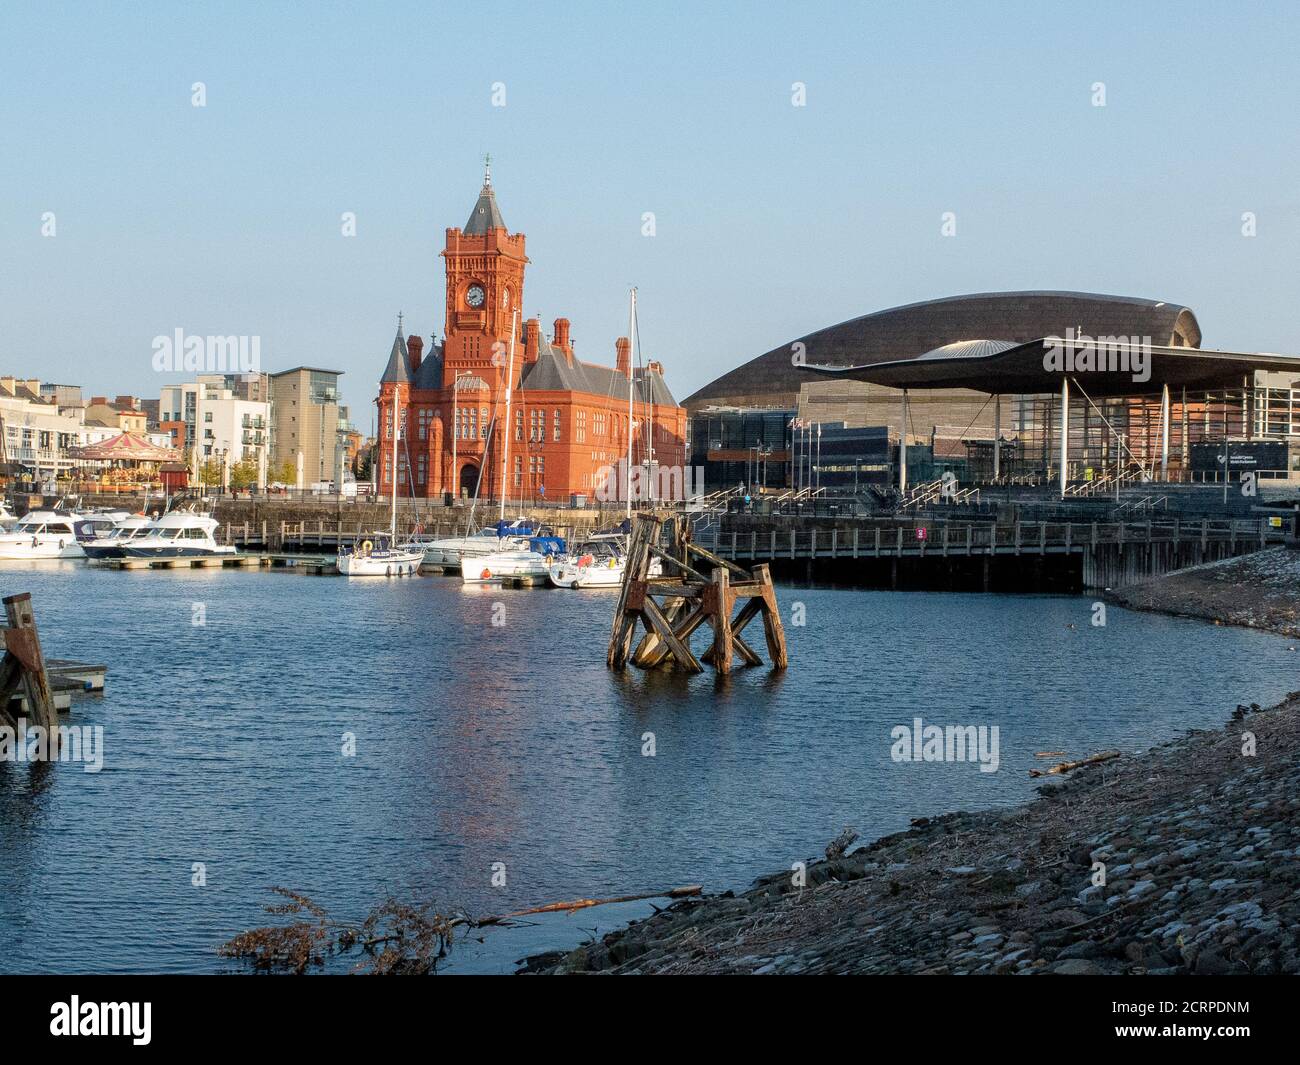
{"type": "Point", "coordinates": [1207, 457]}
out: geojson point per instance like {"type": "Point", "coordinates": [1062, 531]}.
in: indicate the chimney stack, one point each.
{"type": "Point", "coordinates": [623, 347]}
{"type": "Point", "coordinates": [414, 350]}
{"type": "Point", "coordinates": [562, 337]}
{"type": "Point", "coordinates": [532, 339]}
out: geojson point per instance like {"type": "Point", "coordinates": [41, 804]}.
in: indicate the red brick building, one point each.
{"type": "Point", "coordinates": [569, 418]}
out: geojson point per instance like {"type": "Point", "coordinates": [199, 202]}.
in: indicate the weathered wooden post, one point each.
{"type": "Point", "coordinates": [23, 665]}
{"type": "Point", "coordinates": [720, 601]}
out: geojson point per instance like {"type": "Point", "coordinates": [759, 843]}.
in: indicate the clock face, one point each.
{"type": "Point", "coordinates": [474, 297]}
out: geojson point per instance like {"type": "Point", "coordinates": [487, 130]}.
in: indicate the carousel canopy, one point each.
{"type": "Point", "coordinates": [130, 447]}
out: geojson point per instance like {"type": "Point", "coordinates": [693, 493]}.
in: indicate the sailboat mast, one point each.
{"type": "Point", "coordinates": [392, 523]}
{"type": "Point", "coordinates": [631, 377]}
{"type": "Point", "coordinates": [510, 378]}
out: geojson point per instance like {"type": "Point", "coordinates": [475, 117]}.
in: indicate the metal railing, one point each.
{"type": "Point", "coordinates": [918, 538]}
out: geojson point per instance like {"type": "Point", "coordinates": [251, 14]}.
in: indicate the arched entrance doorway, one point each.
{"type": "Point", "coordinates": [468, 479]}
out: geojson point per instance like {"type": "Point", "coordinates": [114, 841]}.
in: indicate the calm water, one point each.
{"type": "Point", "coordinates": [480, 743]}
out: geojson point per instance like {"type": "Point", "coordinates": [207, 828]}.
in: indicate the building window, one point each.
{"type": "Point", "coordinates": [483, 424]}
{"type": "Point", "coordinates": [580, 426]}
{"type": "Point", "coordinates": [557, 426]}
{"type": "Point", "coordinates": [423, 423]}
{"type": "Point", "coordinates": [519, 424]}
{"type": "Point", "coordinates": [421, 466]}
{"type": "Point", "coordinates": [519, 471]}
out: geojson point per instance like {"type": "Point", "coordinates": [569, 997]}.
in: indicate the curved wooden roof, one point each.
{"type": "Point", "coordinates": [901, 333]}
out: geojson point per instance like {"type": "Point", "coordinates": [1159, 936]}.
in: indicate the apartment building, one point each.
{"type": "Point", "coordinates": [310, 428]}
{"type": "Point", "coordinates": [38, 438]}
{"type": "Point", "coordinates": [211, 419]}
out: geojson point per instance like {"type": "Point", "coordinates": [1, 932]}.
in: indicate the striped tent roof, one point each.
{"type": "Point", "coordinates": [131, 447]}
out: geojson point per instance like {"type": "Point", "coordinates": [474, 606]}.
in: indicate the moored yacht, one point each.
{"type": "Point", "coordinates": [533, 561]}
{"type": "Point", "coordinates": [111, 543]}
{"type": "Point", "coordinates": [598, 562]}
{"type": "Point", "coordinates": [42, 534]}
{"type": "Point", "coordinates": [502, 536]}
{"type": "Point", "coordinates": [178, 534]}
{"type": "Point", "coordinates": [378, 556]}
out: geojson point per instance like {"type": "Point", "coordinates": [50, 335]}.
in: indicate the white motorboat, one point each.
{"type": "Point", "coordinates": [489, 540]}
{"type": "Point", "coordinates": [596, 563]}
{"type": "Point", "coordinates": [111, 543]}
{"type": "Point", "coordinates": [43, 534]}
{"type": "Point", "coordinates": [535, 561]}
{"type": "Point", "coordinates": [178, 534]}
{"type": "Point", "coordinates": [8, 519]}
{"type": "Point", "coordinates": [376, 556]}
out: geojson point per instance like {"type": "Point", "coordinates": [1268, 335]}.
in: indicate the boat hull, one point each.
{"type": "Point", "coordinates": [97, 551]}
{"type": "Point", "coordinates": [381, 564]}
{"type": "Point", "coordinates": [41, 548]}
{"type": "Point", "coordinates": [595, 575]}
{"type": "Point", "coordinates": [568, 575]}
{"type": "Point", "coordinates": [497, 567]}
{"type": "Point", "coordinates": [198, 551]}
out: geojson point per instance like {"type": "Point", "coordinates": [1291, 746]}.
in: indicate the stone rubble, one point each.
{"type": "Point", "coordinates": [1199, 842]}
{"type": "Point", "coordinates": [1201, 848]}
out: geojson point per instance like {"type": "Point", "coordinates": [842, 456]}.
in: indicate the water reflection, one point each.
{"type": "Point", "coordinates": [479, 743]}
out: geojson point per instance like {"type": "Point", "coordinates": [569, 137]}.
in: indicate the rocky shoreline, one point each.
{"type": "Point", "coordinates": [1258, 591]}
{"type": "Point", "coordinates": [1185, 859]}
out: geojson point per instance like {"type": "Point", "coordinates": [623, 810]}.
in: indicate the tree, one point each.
{"type": "Point", "coordinates": [363, 462]}
{"type": "Point", "coordinates": [284, 473]}
{"type": "Point", "coordinates": [210, 473]}
{"type": "Point", "coordinates": [243, 473]}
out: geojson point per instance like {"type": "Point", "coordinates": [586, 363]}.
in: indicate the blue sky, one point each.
{"type": "Point", "coordinates": [771, 220]}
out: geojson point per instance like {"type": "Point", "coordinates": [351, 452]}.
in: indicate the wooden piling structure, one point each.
{"type": "Point", "coordinates": [23, 665]}
{"type": "Point", "coordinates": [687, 599]}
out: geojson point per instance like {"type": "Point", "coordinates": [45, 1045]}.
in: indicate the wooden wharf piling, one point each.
{"type": "Point", "coordinates": [22, 670]}
{"type": "Point", "coordinates": [32, 686]}
{"type": "Point", "coordinates": [690, 600]}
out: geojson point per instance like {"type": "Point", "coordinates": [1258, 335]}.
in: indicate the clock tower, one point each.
{"type": "Point", "coordinates": [485, 285]}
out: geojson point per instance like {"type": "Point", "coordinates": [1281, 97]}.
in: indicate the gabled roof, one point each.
{"type": "Point", "coordinates": [553, 373]}
{"type": "Point", "coordinates": [429, 374]}
{"type": "Point", "coordinates": [398, 371]}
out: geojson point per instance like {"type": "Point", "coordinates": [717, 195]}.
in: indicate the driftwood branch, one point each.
{"type": "Point", "coordinates": [413, 938]}
{"type": "Point", "coordinates": [836, 847]}
{"type": "Point", "coordinates": [573, 905]}
{"type": "Point", "coordinates": [1065, 767]}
